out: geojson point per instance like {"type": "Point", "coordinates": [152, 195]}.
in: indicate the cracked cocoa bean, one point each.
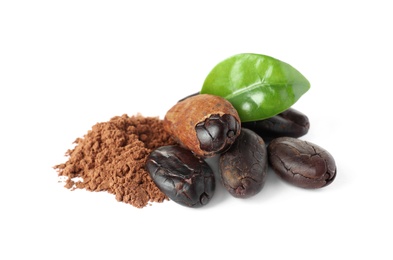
{"type": "Point", "coordinates": [243, 167]}
{"type": "Point", "coordinates": [182, 176]}
{"type": "Point", "coordinates": [290, 123]}
{"type": "Point", "coordinates": [301, 163]}
{"type": "Point", "coordinates": [205, 124]}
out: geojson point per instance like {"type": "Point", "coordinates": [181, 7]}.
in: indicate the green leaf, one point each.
{"type": "Point", "coordinates": [258, 86]}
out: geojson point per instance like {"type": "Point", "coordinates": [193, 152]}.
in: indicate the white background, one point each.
{"type": "Point", "coordinates": [66, 65]}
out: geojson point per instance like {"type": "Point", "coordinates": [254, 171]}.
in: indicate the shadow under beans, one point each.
{"type": "Point", "coordinates": [272, 187]}
{"type": "Point", "coordinates": [220, 194]}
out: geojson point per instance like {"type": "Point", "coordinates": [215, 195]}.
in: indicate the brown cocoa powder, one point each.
{"type": "Point", "coordinates": [111, 157]}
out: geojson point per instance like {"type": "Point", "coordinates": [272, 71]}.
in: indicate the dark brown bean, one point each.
{"type": "Point", "coordinates": [243, 167]}
{"type": "Point", "coordinates": [217, 133]}
{"type": "Point", "coordinates": [301, 163]}
{"type": "Point", "coordinates": [182, 176]}
{"type": "Point", "coordinates": [290, 123]}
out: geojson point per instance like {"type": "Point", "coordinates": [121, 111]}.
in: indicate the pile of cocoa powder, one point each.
{"type": "Point", "coordinates": [111, 157]}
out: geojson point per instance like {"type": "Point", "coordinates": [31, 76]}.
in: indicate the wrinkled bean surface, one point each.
{"type": "Point", "coordinates": [183, 177]}
{"type": "Point", "coordinates": [290, 123]}
{"type": "Point", "coordinates": [243, 167]}
{"type": "Point", "coordinates": [301, 163]}
{"type": "Point", "coordinates": [217, 133]}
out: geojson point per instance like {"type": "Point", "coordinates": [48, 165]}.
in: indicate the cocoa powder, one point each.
{"type": "Point", "coordinates": [111, 157]}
